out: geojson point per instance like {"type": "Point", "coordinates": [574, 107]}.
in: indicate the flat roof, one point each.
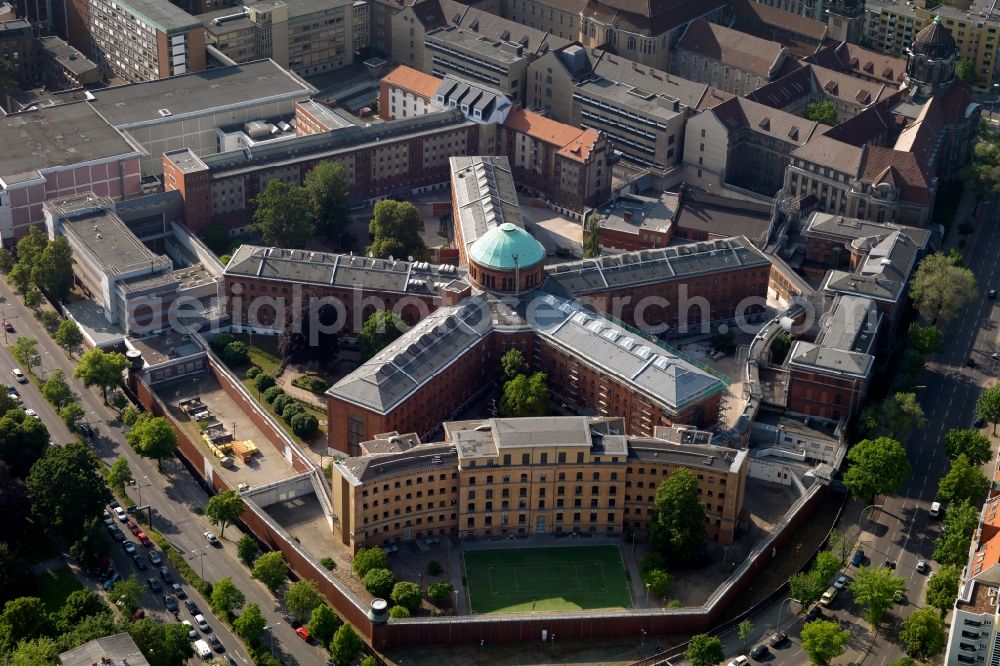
{"type": "Point", "coordinates": [113, 245]}
{"type": "Point", "coordinates": [67, 56]}
{"type": "Point", "coordinates": [161, 14]}
{"type": "Point", "coordinates": [197, 93]}
{"type": "Point", "coordinates": [495, 50]}
{"type": "Point", "coordinates": [363, 469]}
{"type": "Point", "coordinates": [851, 325]}
{"type": "Point", "coordinates": [632, 213]}
{"type": "Point", "coordinates": [701, 456]}
{"type": "Point", "coordinates": [827, 359]}
{"type": "Point", "coordinates": [344, 271]}
{"type": "Point", "coordinates": [484, 194]}
{"type": "Point", "coordinates": [56, 136]}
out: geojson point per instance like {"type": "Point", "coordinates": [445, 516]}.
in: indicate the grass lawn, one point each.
{"type": "Point", "coordinates": [55, 585]}
{"type": "Point", "coordinates": [264, 353]}
{"type": "Point", "coordinates": [570, 578]}
{"type": "Point", "coordinates": [310, 409]}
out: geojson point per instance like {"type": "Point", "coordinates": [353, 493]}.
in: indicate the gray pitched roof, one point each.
{"type": "Point", "coordinates": [827, 359]}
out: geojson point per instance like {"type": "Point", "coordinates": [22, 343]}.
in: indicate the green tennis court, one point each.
{"type": "Point", "coordinates": [546, 579]}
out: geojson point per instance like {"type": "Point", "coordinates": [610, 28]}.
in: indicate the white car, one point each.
{"type": "Point", "coordinates": [128, 546]}
{"type": "Point", "coordinates": [19, 376]}
{"type": "Point", "coordinates": [740, 661]}
{"type": "Point", "coordinates": [190, 629]}
{"type": "Point", "coordinates": [199, 619]}
{"type": "Point", "coordinates": [211, 538]}
{"type": "Point", "coordinates": [32, 413]}
{"type": "Point", "coordinates": [120, 512]}
{"type": "Point", "coordinates": [840, 582]}
{"type": "Point", "coordinates": [922, 566]}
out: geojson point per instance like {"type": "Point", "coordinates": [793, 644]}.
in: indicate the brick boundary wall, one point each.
{"type": "Point", "coordinates": [495, 629]}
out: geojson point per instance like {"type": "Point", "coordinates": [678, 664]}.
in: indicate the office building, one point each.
{"type": "Point", "coordinates": [564, 475]}
{"type": "Point", "coordinates": [144, 40]}
{"type": "Point", "coordinates": [65, 67]}
{"type": "Point", "coordinates": [21, 49]}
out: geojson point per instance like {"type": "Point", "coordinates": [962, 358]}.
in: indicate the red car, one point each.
{"type": "Point", "coordinates": [7, 326]}
{"type": "Point", "coordinates": [303, 633]}
{"type": "Point", "coordinates": [133, 527]}
{"type": "Point", "coordinates": [143, 539]}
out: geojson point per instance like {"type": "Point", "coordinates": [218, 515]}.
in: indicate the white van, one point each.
{"type": "Point", "coordinates": [935, 509]}
{"type": "Point", "coordinates": [202, 650]}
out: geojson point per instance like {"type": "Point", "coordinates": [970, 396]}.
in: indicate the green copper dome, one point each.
{"type": "Point", "coordinates": [502, 246]}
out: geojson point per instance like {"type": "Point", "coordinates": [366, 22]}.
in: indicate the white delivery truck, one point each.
{"type": "Point", "coordinates": [202, 650]}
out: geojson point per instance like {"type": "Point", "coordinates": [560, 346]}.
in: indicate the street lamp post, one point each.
{"type": "Point", "coordinates": [270, 630]}
{"type": "Point", "coordinates": [138, 487]}
{"type": "Point", "coordinates": [647, 595]}
{"type": "Point", "coordinates": [200, 554]}
{"type": "Point", "coordinates": [861, 516]}
{"type": "Point", "coordinates": [782, 605]}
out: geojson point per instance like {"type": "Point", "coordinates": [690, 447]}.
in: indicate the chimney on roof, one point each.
{"type": "Point", "coordinates": [628, 216]}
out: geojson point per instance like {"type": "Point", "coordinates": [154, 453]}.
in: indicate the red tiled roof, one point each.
{"type": "Point", "coordinates": [921, 136]}
{"type": "Point", "coordinates": [862, 63]}
{"type": "Point", "coordinates": [572, 141]}
{"type": "Point", "coordinates": [957, 101]}
{"type": "Point", "coordinates": [898, 168]}
{"type": "Point", "coordinates": [413, 80]}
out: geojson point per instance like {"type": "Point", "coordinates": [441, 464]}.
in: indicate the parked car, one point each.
{"type": "Point", "coordinates": [899, 596]}
{"type": "Point", "coordinates": [115, 577]}
{"type": "Point", "coordinates": [32, 413]}
{"type": "Point", "coordinates": [890, 564]}
{"type": "Point", "coordinates": [192, 607]}
{"type": "Point", "coordinates": [167, 577]}
{"type": "Point", "coordinates": [814, 613]}
{"type": "Point", "coordinates": [190, 629]}
{"type": "Point", "coordinates": [303, 633]}
{"type": "Point", "coordinates": [230, 661]}
{"type": "Point", "coordinates": [12, 393]}
{"type": "Point", "coordinates": [992, 293]}
{"type": "Point", "coordinates": [829, 596]}
{"type": "Point", "coordinates": [154, 585]}
{"type": "Point", "coordinates": [777, 639]}
{"type": "Point", "coordinates": [133, 526]}
{"type": "Point", "coordinates": [19, 376]}
{"type": "Point", "coordinates": [216, 644]}
{"type": "Point", "coordinates": [170, 603]}
{"type": "Point", "coordinates": [122, 516]}
{"type": "Point", "coordinates": [740, 661]}
{"type": "Point", "coordinates": [7, 326]}
{"type": "Point", "coordinates": [199, 620]}
{"type": "Point", "coordinates": [979, 423]}
{"type": "Point", "coordinates": [140, 563]}
{"type": "Point", "coordinates": [116, 533]}
{"type": "Point", "coordinates": [154, 558]}
{"type": "Point", "coordinates": [128, 547]}
{"type": "Point", "coordinates": [212, 539]}
{"type": "Point", "coordinates": [841, 582]}
{"type": "Point", "coordinates": [922, 566]}
{"type": "Point", "coordinates": [178, 591]}
{"type": "Point", "coordinates": [859, 557]}
{"type": "Point", "coordinates": [759, 653]}
{"type": "Point", "coordinates": [144, 539]}
{"type": "Point", "coordinates": [108, 520]}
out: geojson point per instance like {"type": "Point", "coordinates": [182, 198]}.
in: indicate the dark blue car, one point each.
{"type": "Point", "coordinates": [858, 558]}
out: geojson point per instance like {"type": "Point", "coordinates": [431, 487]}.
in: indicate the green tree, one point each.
{"type": "Point", "coordinates": [367, 559]}
{"type": "Point", "coordinates": [301, 598]}
{"type": "Point", "coordinates": [379, 582]}
{"type": "Point", "coordinates": [23, 618]}
{"type": "Point", "coordinates": [841, 542]}
{"type": "Point", "coordinates": [153, 437]}
{"type": "Point", "coordinates": [822, 112]}
{"type": "Point", "coordinates": [984, 172]}
{"type": "Point", "coordinates": [162, 644]}
{"type": "Point", "coordinates": [925, 340]}
{"type": "Point", "coordinates": [745, 631]}
{"type": "Point", "coordinates": [940, 289]}
{"type": "Point", "coordinates": [368, 661]}
{"type": "Point", "coordinates": [19, 277]}
{"type": "Point", "coordinates": [54, 272]}
{"type": "Point", "coordinates": [399, 612]}
{"type": "Point", "coordinates": [901, 412]}
{"type": "Point", "coordinates": [71, 415]}
{"type": "Point", "coordinates": [15, 507]}
{"type": "Point", "coordinates": [283, 215]}
{"type": "Point", "coordinates": [326, 185]}
{"type": "Point", "coordinates": [380, 328]}
{"type": "Point", "coordinates": [407, 595]}
{"type": "Point", "coordinates": [677, 529]}
{"type": "Point", "coordinates": [512, 364]}
{"type": "Point", "coordinates": [224, 509]}
{"type": "Point", "coordinates": [826, 565]}
{"type": "Point", "coordinates": [592, 236]}
{"type": "Point", "coordinates": [903, 661]}
{"type": "Point", "coordinates": [25, 352]}
{"type": "Point", "coordinates": [963, 482]}
{"type": "Point", "coordinates": [36, 652]}
{"type": "Point", "coordinates": [874, 588]}
{"type": "Point", "coordinates": [68, 335]}
{"type": "Point", "coordinates": [226, 597]}
{"type": "Point", "coordinates": [952, 547]}
{"type": "Point", "coordinates": [923, 633]}
{"type": "Point", "coordinates": [7, 260]}
{"type": "Point", "coordinates": [250, 624]}
{"type": "Point", "coordinates": [803, 587]}
{"type": "Point", "coordinates": [346, 645]}
{"type": "Point", "coordinates": [92, 545]}
{"type": "Point", "coordinates": [100, 368]}
{"type": "Point", "coordinates": [130, 415]}
{"type": "Point", "coordinates": [78, 605]}
{"type": "Point", "coordinates": [50, 320]}
{"type": "Point", "coordinates": [247, 550]}
{"type": "Point", "coordinates": [23, 440]}
{"type": "Point", "coordinates": [270, 569]}
{"type": "Point", "coordinates": [974, 445]}
{"type": "Point", "coordinates": [56, 390]}
{"type": "Point", "coordinates": [823, 641]}
{"type": "Point", "coordinates": [323, 624]}
{"type": "Point", "coordinates": [395, 230]}
{"type": "Point", "coordinates": [525, 396]}
{"type": "Point", "coordinates": [120, 474]}
{"type": "Point", "coordinates": [126, 594]}
{"type": "Point", "coordinates": [878, 466]}
{"type": "Point", "coordinates": [704, 650]}
{"type": "Point", "coordinates": [988, 406]}
{"type": "Point", "coordinates": [440, 591]}
{"type": "Point", "coordinates": [91, 627]}
{"type": "Point", "coordinates": [33, 299]}
{"type": "Point", "coordinates": [966, 70]}
{"type": "Point", "coordinates": [659, 581]}
{"type": "Point", "coordinates": [67, 489]}
{"type": "Point", "coordinates": [942, 588]}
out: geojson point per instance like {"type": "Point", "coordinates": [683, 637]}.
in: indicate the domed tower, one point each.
{"type": "Point", "coordinates": [506, 259]}
{"type": "Point", "coordinates": [931, 60]}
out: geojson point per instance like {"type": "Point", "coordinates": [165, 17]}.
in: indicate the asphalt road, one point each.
{"type": "Point", "coordinates": [901, 528]}
{"type": "Point", "coordinates": [172, 493]}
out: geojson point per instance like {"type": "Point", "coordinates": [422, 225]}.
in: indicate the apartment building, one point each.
{"type": "Point", "coordinates": [449, 359]}
{"type": "Point", "coordinates": [681, 288]}
{"type": "Point", "coordinates": [892, 28]}
{"type": "Point", "coordinates": [306, 36]}
{"type": "Point", "coordinates": [21, 49]}
{"type": "Point", "coordinates": [743, 144]}
{"type": "Point", "coordinates": [144, 40]}
{"type": "Point", "coordinates": [640, 109]}
{"type": "Point", "coordinates": [445, 37]}
{"type": "Point", "coordinates": [300, 283]}
{"type": "Point", "coordinates": [567, 475]}
{"type": "Point", "coordinates": [65, 67]}
{"type": "Point", "coordinates": [730, 60]}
